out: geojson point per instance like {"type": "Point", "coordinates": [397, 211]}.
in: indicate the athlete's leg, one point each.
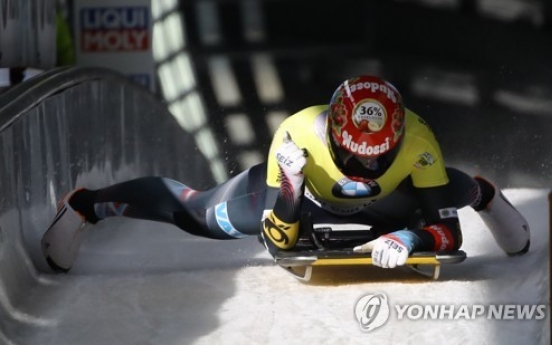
{"type": "Point", "coordinates": [145, 198]}
{"type": "Point", "coordinates": [229, 210]}
{"type": "Point", "coordinates": [233, 209]}
{"type": "Point", "coordinates": [507, 225]}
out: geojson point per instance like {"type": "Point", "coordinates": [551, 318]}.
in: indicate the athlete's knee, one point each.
{"type": "Point", "coordinates": [179, 190]}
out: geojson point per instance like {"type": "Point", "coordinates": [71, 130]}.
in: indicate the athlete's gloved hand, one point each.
{"type": "Point", "coordinates": [389, 250]}
{"type": "Point", "coordinates": [291, 160]}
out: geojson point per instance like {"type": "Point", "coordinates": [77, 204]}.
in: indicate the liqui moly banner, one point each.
{"type": "Point", "coordinates": [28, 33]}
{"type": "Point", "coordinates": [116, 34]}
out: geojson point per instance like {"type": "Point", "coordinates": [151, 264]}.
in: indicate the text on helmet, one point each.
{"type": "Point", "coordinates": [373, 87]}
{"type": "Point", "coordinates": [363, 148]}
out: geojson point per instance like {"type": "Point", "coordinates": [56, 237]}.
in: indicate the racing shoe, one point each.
{"type": "Point", "coordinates": [508, 227]}
{"type": "Point", "coordinates": [61, 242]}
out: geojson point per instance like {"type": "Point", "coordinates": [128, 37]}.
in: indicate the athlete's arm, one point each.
{"type": "Point", "coordinates": [441, 230]}
{"type": "Point", "coordinates": [430, 179]}
{"type": "Point", "coordinates": [280, 227]}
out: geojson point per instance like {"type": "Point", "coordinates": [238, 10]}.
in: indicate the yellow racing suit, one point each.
{"type": "Point", "coordinates": [419, 158]}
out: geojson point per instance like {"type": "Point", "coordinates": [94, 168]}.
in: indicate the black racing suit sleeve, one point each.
{"type": "Point", "coordinates": [441, 230]}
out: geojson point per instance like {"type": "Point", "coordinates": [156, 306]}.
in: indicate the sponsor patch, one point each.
{"type": "Point", "coordinates": [374, 87]}
{"type": "Point", "coordinates": [363, 148]}
{"type": "Point", "coordinates": [443, 237]}
{"type": "Point", "coordinates": [283, 235]}
{"type": "Point", "coordinates": [221, 214]}
{"type": "Point", "coordinates": [369, 116]}
{"type": "Point", "coordinates": [424, 161]}
{"type": "Point", "coordinates": [346, 188]}
{"type": "Point", "coordinates": [450, 212]}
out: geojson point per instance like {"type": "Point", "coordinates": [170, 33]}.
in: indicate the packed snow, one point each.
{"type": "Point", "coordinates": [140, 282]}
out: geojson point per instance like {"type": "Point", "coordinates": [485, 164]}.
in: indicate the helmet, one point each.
{"type": "Point", "coordinates": [365, 126]}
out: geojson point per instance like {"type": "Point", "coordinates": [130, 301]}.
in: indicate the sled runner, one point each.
{"type": "Point", "coordinates": [300, 263]}
{"type": "Point", "coordinates": [332, 245]}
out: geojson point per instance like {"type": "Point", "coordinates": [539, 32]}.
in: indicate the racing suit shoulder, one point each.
{"type": "Point", "coordinates": [302, 130]}
{"type": "Point", "coordinates": [428, 166]}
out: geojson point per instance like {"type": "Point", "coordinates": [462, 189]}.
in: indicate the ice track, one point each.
{"type": "Point", "coordinates": [138, 282]}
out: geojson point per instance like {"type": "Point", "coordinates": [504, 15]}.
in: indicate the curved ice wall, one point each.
{"type": "Point", "coordinates": [67, 128]}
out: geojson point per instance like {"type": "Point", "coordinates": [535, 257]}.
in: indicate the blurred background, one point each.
{"type": "Point", "coordinates": [479, 71]}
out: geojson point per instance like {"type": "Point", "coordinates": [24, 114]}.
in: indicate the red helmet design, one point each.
{"type": "Point", "coordinates": [365, 126]}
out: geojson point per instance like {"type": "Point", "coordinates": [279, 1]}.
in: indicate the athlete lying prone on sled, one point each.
{"type": "Point", "coordinates": [364, 159]}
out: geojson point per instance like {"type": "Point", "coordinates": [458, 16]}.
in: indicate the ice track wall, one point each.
{"type": "Point", "coordinates": [63, 129]}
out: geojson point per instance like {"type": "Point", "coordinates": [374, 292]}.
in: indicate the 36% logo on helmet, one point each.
{"type": "Point", "coordinates": [369, 117]}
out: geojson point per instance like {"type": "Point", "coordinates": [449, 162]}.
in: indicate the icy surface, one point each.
{"type": "Point", "coordinates": [138, 282]}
